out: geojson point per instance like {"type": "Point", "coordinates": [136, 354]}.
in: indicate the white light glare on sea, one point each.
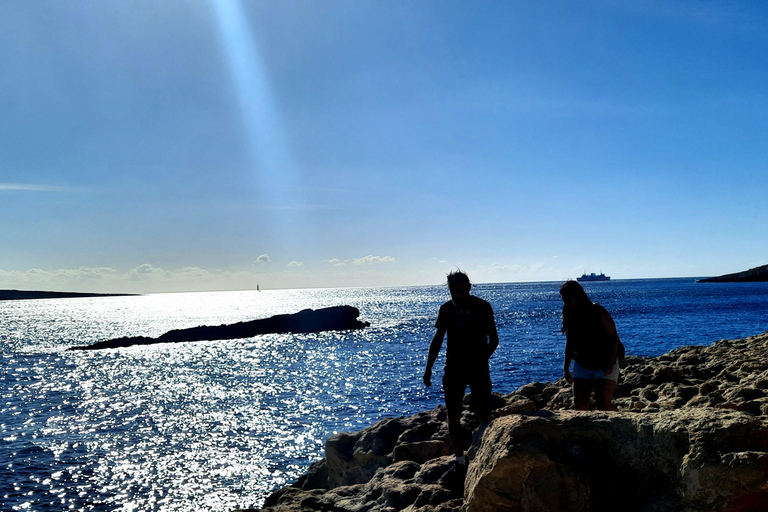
{"type": "Point", "coordinates": [217, 425]}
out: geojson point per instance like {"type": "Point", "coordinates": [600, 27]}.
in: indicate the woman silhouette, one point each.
{"type": "Point", "coordinates": [592, 345]}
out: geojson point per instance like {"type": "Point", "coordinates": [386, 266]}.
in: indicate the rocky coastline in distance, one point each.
{"type": "Point", "coordinates": [752, 275]}
{"type": "Point", "coordinates": [691, 435]}
{"type": "Point", "coordinates": [30, 294]}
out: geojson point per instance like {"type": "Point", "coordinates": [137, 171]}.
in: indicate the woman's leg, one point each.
{"type": "Point", "coordinates": [582, 389]}
{"type": "Point", "coordinates": [604, 389]}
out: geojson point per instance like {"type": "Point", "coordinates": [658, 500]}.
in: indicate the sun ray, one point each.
{"type": "Point", "coordinates": [275, 174]}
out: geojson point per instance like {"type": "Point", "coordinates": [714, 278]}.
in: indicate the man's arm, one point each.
{"type": "Point", "coordinates": [493, 337]}
{"type": "Point", "coordinates": [434, 351]}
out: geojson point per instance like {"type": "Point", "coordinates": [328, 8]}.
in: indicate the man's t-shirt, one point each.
{"type": "Point", "coordinates": [468, 326]}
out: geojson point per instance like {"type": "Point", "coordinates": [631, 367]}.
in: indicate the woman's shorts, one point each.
{"type": "Point", "coordinates": [580, 372]}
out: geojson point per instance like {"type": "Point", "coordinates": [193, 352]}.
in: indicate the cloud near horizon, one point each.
{"type": "Point", "coordinates": [365, 271]}
{"type": "Point", "coordinates": [148, 278]}
{"type": "Point", "coordinates": [365, 260]}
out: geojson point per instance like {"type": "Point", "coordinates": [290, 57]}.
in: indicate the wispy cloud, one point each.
{"type": "Point", "coordinates": [371, 260]}
{"type": "Point", "coordinates": [365, 260]}
{"type": "Point", "coordinates": [33, 188]}
{"type": "Point", "coordinates": [263, 258]}
{"type": "Point", "coordinates": [147, 271]}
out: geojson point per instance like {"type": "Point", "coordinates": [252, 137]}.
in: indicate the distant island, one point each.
{"type": "Point", "coordinates": [748, 276]}
{"type": "Point", "coordinates": [27, 294]}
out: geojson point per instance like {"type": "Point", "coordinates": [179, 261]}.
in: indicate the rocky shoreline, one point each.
{"type": "Point", "coordinates": [691, 435]}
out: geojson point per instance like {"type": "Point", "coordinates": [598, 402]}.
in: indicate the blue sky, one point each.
{"type": "Point", "coordinates": [213, 145]}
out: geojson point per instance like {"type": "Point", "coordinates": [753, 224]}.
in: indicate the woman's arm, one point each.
{"type": "Point", "coordinates": [610, 329]}
{"type": "Point", "coordinates": [568, 358]}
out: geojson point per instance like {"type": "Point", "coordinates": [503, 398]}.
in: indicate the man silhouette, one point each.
{"type": "Point", "coordinates": [472, 339]}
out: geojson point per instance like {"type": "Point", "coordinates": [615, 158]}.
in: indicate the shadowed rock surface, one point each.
{"type": "Point", "coordinates": [337, 318]}
{"type": "Point", "coordinates": [752, 275]}
{"type": "Point", "coordinates": [691, 435]}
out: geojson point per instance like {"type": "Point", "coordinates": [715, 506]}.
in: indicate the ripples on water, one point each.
{"type": "Point", "coordinates": [217, 425]}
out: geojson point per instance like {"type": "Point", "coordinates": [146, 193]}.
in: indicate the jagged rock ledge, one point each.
{"type": "Point", "coordinates": [691, 435]}
{"type": "Point", "coordinates": [336, 318]}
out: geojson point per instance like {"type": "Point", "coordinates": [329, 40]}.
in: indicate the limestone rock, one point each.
{"type": "Point", "coordinates": [564, 461]}
{"type": "Point", "coordinates": [355, 458]}
{"type": "Point", "coordinates": [691, 435]}
{"type": "Point", "coordinates": [404, 485]}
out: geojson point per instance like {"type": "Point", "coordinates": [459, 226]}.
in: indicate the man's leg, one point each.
{"type": "Point", "coordinates": [481, 386]}
{"type": "Point", "coordinates": [454, 396]}
{"type": "Point", "coordinates": [454, 388]}
{"type": "Point", "coordinates": [454, 432]}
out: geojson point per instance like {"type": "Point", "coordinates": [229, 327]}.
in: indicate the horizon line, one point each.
{"type": "Point", "coordinates": [342, 287]}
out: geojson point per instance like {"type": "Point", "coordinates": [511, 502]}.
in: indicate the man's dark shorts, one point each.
{"type": "Point", "coordinates": [455, 384]}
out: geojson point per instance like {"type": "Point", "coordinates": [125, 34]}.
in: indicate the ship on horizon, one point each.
{"type": "Point", "coordinates": [593, 277]}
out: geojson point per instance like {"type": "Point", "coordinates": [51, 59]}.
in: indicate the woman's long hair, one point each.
{"type": "Point", "coordinates": [573, 290]}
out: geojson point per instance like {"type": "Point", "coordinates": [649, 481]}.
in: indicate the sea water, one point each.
{"type": "Point", "coordinates": [217, 425]}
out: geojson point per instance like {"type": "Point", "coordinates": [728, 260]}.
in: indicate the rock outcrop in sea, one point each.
{"type": "Point", "coordinates": [336, 318]}
{"type": "Point", "coordinates": [691, 435]}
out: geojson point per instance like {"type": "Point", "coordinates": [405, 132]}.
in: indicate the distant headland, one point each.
{"type": "Point", "coordinates": [28, 294]}
{"type": "Point", "coordinates": [335, 318]}
{"type": "Point", "coordinates": [752, 275]}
